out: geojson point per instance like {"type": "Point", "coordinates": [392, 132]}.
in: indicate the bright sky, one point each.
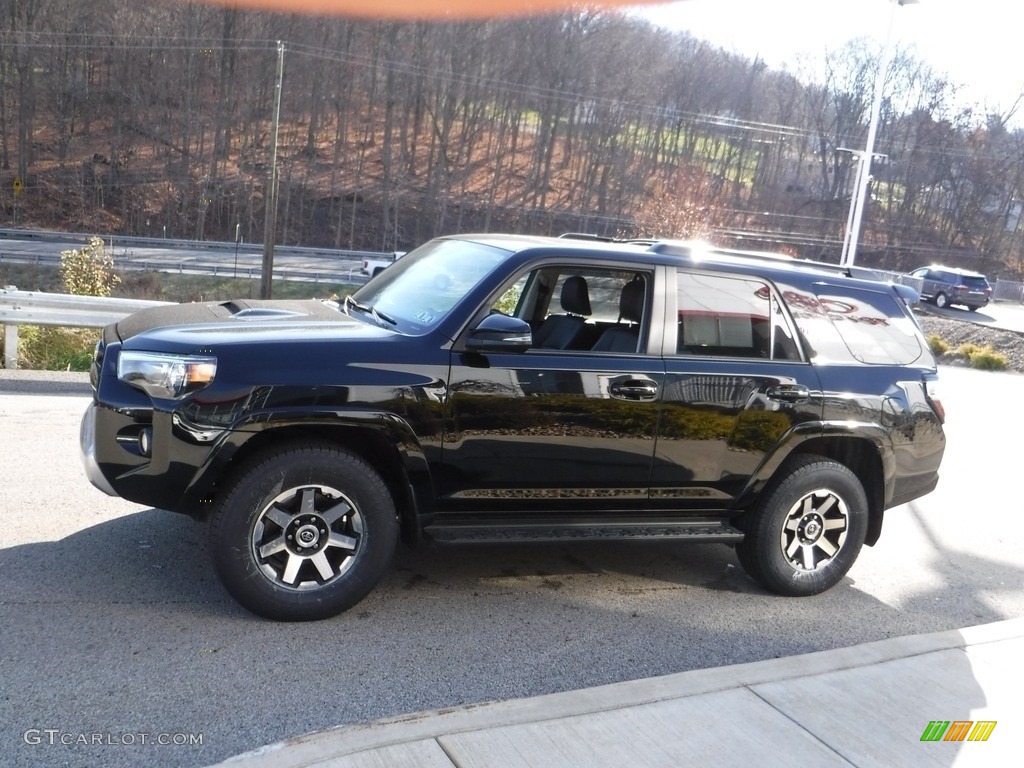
{"type": "Point", "coordinates": [977, 43]}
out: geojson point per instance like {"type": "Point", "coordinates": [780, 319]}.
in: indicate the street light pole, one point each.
{"type": "Point", "coordinates": [864, 167]}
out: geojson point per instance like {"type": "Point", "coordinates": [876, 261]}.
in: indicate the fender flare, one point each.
{"type": "Point", "coordinates": [832, 439]}
{"type": "Point", "coordinates": [233, 443]}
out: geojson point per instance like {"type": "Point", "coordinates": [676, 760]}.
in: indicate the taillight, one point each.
{"type": "Point", "coordinates": [931, 389]}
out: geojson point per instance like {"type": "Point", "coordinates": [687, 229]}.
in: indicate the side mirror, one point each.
{"type": "Point", "coordinates": [500, 333]}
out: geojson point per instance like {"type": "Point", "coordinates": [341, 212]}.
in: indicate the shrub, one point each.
{"type": "Point", "coordinates": [937, 345]}
{"type": "Point", "coordinates": [988, 360]}
{"type": "Point", "coordinates": [969, 350]}
{"type": "Point", "coordinates": [982, 358]}
{"type": "Point", "coordinates": [88, 271]}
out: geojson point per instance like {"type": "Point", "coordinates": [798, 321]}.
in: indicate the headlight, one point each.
{"type": "Point", "coordinates": [167, 376]}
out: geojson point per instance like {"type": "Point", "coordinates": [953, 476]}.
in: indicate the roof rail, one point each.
{"type": "Point", "coordinates": [684, 248]}
{"type": "Point", "coordinates": [585, 236]}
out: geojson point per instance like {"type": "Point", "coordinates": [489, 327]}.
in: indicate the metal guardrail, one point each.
{"type": "Point", "coordinates": [59, 309]}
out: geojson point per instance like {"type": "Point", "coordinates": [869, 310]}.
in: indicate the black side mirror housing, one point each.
{"type": "Point", "coordinates": [500, 333]}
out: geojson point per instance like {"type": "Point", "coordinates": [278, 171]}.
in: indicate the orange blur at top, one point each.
{"type": "Point", "coordinates": [424, 9]}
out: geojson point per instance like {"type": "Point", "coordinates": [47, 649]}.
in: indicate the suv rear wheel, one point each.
{"type": "Point", "coordinates": [303, 533]}
{"type": "Point", "coordinates": [807, 530]}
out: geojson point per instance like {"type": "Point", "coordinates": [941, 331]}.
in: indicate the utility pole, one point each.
{"type": "Point", "coordinates": [270, 215]}
{"type": "Point", "coordinates": [238, 239]}
{"type": "Point", "coordinates": [849, 254]}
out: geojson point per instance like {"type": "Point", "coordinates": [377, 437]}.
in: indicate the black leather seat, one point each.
{"type": "Point", "coordinates": [625, 336]}
{"type": "Point", "coordinates": [559, 331]}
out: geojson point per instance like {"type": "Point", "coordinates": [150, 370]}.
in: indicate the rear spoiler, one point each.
{"type": "Point", "coordinates": [909, 295]}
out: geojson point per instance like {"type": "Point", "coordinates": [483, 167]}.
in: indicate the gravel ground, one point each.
{"type": "Point", "coordinates": [957, 332]}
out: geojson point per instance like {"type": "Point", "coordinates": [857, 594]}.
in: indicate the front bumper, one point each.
{"type": "Point", "coordinates": [87, 445]}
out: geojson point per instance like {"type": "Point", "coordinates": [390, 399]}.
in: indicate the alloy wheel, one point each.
{"type": "Point", "coordinates": [814, 530]}
{"type": "Point", "coordinates": [307, 537]}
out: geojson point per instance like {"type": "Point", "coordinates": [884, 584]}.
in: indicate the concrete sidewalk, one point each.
{"type": "Point", "coordinates": [868, 705]}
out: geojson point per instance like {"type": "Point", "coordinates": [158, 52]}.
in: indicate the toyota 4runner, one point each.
{"type": "Point", "coordinates": [495, 388]}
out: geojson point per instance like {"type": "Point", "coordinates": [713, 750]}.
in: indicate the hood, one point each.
{"type": "Point", "coordinates": [232, 316]}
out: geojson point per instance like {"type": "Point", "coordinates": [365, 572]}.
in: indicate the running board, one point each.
{"type": "Point", "coordinates": [536, 531]}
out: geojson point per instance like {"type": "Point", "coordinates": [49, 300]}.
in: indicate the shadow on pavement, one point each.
{"type": "Point", "coordinates": [124, 626]}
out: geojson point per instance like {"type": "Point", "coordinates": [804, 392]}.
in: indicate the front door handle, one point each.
{"type": "Point", "coordinates": [634, 388]}
{"type": "Point", "coordinates": [788, 393]}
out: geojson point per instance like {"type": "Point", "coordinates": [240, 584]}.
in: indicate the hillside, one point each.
{"type": "Point", "coordinates": [157, 119]}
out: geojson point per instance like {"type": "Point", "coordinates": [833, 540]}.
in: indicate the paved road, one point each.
{"type": "Point", "coordinates": [1004, 314]}
{"type": "Point", "coordinates": [112, 625]}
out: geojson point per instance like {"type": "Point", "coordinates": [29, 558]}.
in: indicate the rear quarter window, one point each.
{"type": "Point", "coordinates": [872, 324]}
{"type": "Point", "coordinates": [845, 324]}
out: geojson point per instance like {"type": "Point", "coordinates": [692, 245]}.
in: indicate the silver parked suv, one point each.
{"type": "Point", "coordinates": [949, 285]}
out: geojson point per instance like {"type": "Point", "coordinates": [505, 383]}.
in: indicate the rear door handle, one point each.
{"type": "Point", "coordinates": [634, 388]}
{"type": "Point", "coordinates": [788, 393]}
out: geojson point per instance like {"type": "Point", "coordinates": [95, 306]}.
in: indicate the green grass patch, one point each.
{"type": "Point", "coordinates": [55, 349]}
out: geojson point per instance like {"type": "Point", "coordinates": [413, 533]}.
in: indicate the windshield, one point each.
{"type": "Point", "coordinates": [419, 290]}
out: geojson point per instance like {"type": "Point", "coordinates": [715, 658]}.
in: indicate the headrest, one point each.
{"type": "Point", "coordinates": [631, 302]}
{"type": "Point", "coordinates": [575, 297]}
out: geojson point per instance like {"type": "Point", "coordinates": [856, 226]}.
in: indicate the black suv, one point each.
{"type": "Point", "coordinates": [949, 285]}
{"type": "Point", "coordinates": [492, 388]}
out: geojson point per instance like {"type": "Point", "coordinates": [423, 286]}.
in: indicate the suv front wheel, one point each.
{"type": "Point", "coordinates": [303, 533]}
{"type": "Point", "coordinates": [807, 530]}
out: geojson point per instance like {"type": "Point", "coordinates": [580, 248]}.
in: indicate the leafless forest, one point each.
{"type": "Point", "coordinates": [154, 118]}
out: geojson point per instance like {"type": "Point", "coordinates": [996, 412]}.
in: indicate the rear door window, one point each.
{"type": "Point", "coordinates": [722, 316]}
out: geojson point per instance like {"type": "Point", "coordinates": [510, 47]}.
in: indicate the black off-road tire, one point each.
{"type": "Point", "coordinates": [303, 533]}
{"type": "Point", "coordinates": [807, 529]}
